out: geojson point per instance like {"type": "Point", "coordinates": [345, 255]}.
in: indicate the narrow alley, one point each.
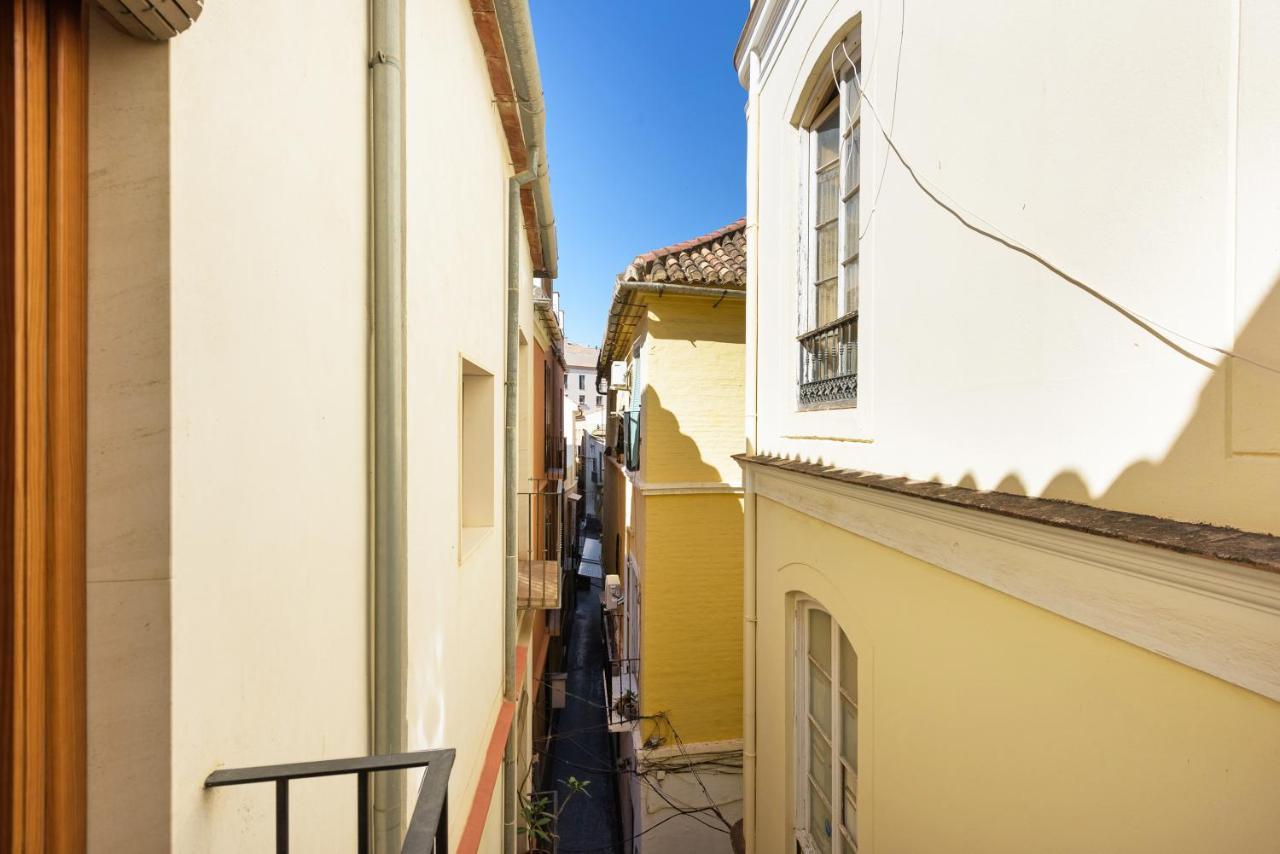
{"type": "Point", "coordinates": [579, 745]}
{"type": "Point", "coordinates": [664, 427]}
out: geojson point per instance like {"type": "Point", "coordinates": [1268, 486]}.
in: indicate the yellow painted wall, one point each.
{"type": "Point", "coordinates": [989, 725]}
{"type": "Point", "coordinates": [693, 402]}
{"type": "Point", "coordinates": [637, 523]}
{"type": "Point", "coordinates": [689, 546]}
{"type": "Point", "coordinates": [613, 517]}
{"type": "Point", "coordinates": [691, 652]}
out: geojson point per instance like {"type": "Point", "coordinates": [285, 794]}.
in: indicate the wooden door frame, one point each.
{"type": "Point", "coordinates": [43, 273]}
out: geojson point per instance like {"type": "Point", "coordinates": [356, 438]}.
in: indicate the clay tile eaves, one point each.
{"type": "Point", "coordinates": [718, 259]}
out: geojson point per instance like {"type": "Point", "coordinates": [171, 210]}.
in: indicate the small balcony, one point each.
{"type": "Point", "coordinates": [614, 438]}
{"type": "Point", "coordinates": [553, 454]}
{"type": "Point", "coordinates": [538, 559]}
{"type": "Point", "coordinates": [829, 365]}
{"type": "Point", "coordinates": [631, 438]}
{"type": "Point", "coordinates": [428, 830]}
{"type": "Point", "coordinates": [621, 674]}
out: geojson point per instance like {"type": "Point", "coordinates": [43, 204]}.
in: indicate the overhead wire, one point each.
{"type": "Point", "coordinates": [968, 219]}
{"type": "Point", "coordinates": [610, 847]}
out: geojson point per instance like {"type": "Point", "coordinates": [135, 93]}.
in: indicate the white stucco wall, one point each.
{"type": "Point", "coordinates": [268, 359]}
{"type": "Point", "coordinates": [457, 226]}
{"type": "Point", "coordinates": [229, 510]}
{"type": "Point", "coordinates": [669, 781]}
{"type": "Point", "coordinates": [1122, 142]}
{"type": "Point", "coordinates": [587, 391]}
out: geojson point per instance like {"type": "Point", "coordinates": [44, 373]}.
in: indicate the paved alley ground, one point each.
{"type": "Point", "coordinates": [579, 745]}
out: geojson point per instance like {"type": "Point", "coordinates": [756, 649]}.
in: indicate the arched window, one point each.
{"type": "Point", "coordinates": [826, 779]}
{"type": "Point", "coordinates": [828, 333]}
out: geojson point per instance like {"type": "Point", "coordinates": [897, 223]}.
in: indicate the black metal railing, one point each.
{"type": "Point", "coordinates": [428, 831]}
{"type": "Point", "coordinates": [611, 621]}
{"type": "Point", "coordinates": [631, 429]}
{"type": "Point", "coordinates": [616, 440]}
{"type": "Point", "coordinates": [622, 689]}
{"type": "Point", "coordinates": [541, 521]}
{"type": "Point", "coordinates": [829, 364]}
{"type": "Point", "coordinates": [621, 673]}
{"type": "Point", "coordinates": [553, 453]}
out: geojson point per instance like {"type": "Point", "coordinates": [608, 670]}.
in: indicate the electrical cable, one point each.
{"type": "Point", "coordinates": [968, 219]}
{"type": "Point", "coordinates": [696, 776]}
{"type": "Point", "coordinates": [691, 812]}
{"type": "Point", "coordinates": [610, 847]}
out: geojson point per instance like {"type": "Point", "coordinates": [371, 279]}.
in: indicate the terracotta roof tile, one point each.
{"type": "Point", "coordinates": [718, 258]}
{"type": "Point", "coordinates": [1260, 551]}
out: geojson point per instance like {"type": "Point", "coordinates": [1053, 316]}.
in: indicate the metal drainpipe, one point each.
{"type": "Point", "coordinates": [389, 568]}
{"type": "Point", "coordinates": [516, 26]}
{"type": "Point", "coordinates": [749, 604]}
{"type": "Point", "coordinates": [510, 458]}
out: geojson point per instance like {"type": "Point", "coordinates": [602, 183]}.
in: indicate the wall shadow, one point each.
{"type": "Point", "coordinates": [1223, 468]}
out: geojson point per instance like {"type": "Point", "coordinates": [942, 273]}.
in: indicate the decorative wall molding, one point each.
{"type": "Point", "coordinates": [689, 488]}
{"type": "Point", "coordinates": [766, 25]}
{"type": "Point", "coordinates": [1215, 616]}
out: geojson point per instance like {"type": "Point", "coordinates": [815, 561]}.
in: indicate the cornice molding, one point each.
{"type": "Point", "coordinates": [766, 21]}
{"type": "Point", "coordinates": [688, 488]}
{"type": "Point", "coordinates": [1214, 616]}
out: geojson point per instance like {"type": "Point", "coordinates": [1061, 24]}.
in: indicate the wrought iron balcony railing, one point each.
{"type": "Point", "coordinates": [631, 430]}
{"type": "Point", "coordinates": [615, 435]}
{"type": "Point", "coordinates": [621, 674]}
{"type": "Point", "coordinates": [829, 364]}
{"type": "Point", "coordinates": [622, 692]}
{"type": "Point", "coordinates": [553, 453]}
{"type": "Point", "coordinates": [541, 522]}
{"type": "Point", "coordinates": [428, 831]}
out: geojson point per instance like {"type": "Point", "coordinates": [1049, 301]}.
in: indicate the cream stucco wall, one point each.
{"type": "Point", "coordinates": [986, 724]}
{"type": "Point", "coordinates": [228, 438]}
{"type": "Point", "coordinates": [456, 298]}
{"type": "Point", "coordinates": [269, 456]}
{"type": "Point", "coordinates": [1129, 144]}
{"type": "Point", "coordinates": [652, 809]}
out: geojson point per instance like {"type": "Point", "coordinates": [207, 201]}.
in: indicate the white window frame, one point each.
{"type": "Point", "coordinates": [632, 622]}
{"type": "Point", "coordinates": [842, 99]}
{"type": "Point", "coordinates": [839, 767]}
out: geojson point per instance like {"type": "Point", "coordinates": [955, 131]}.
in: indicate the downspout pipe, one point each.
{"type": "Point", "coordinates": [389, 566]}
{"type": "Point", "coordinates": [749, 661]}
{"type": "Point", "coordinates": [516, 26]}
{"type": "Point", "coordinates": [749, 592]}
{"type": "Point", "coordinates": [510, 516]}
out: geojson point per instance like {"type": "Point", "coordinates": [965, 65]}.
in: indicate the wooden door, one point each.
{"type": "Point", "coordinates": [43, 200]}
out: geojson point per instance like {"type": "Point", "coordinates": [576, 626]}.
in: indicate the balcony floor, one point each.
{"type": "Point", "coordinates": [538, 585]}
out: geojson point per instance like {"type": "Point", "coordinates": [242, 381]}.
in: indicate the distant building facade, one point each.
{"type": "Point", "coordinates": [581, 383]}
{"type": "Point", "coordinates": [672, 540]}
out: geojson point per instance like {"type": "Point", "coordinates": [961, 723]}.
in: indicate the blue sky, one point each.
{"type": "Point", "coordinates": [646, 135]}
